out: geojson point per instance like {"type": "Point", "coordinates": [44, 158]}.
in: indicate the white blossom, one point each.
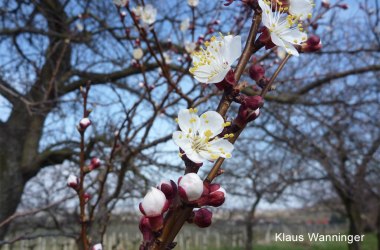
{"type": "Point", "coordinates": [212, 64]}
{"type": "Point", "coordinates": [154, 202]}
{"type": "Point", "coordinates": [168, 58]}
{"type": "Point", "coordinates": [185, 24]}
{"type": "Point", "coordinates": [120, 3]}
{"type": "Point", "coordinates": [192, 186]}
{"type": "Point", "coordinates": [190, 47]}
{"type": "Point", "coordinates": [97, 247]}
{"type": "Point", "coordinates": [193, 3]}
{"type": "Point", "coordinates": [199, 136]}
{"type": "Point", "coordinates": [137, 53]}
{"type": "Point", "coordinates": [301, 8]}
{"type": "Point", "coordinates": [147, 13]}
{"type": "Point", "coordinates": [282, 30]}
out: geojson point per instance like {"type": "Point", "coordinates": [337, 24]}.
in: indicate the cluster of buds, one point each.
{"type": "Point", "coordinates": [249, 109]}
{"type": "Point", "coordinates": [191, 192]}
{"type": "Point", "coordinates": [153, 206]}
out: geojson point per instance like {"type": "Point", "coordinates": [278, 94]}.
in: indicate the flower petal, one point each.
{"type": "Point", "coordinates": [284, 44]}
{"type": "Point", "coordinates": [219, 76]}
{"type": "Point", "coordinates": [222, 147]}
{"type": "Point", "coordinates": [181, 140]}
{"type": "Point", "coordinates": [194, 156]}
{"type": "Point", "coordinates": [267, 13]}
{"type": "Point", "coordinates": [231, 49]}
{"type": "Point", "coordinates": [300, 8]}
{"type": "Point", "coordinates": [211, 124]}
{"type": "Point", "coordinates": [187, 121]}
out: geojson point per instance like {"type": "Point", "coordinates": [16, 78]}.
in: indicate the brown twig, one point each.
{"type": "Point", "coordinates": [81, 192]}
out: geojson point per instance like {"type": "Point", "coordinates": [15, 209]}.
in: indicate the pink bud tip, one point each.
{"type": "Point", "coordinates": [154, 203]}
{"type": "Point", "coordinates": [84, 123]}
{"type": "Point", "coordinates": [94, 164]}
{"type": "Point", "coordinates": [190, 187]}
{"type": "Point", "coordinates": [73, 182]}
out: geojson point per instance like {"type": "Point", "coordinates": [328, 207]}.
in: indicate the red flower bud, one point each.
{"type": "Point", "coordinates": [87, 197]}
{"type": "Point", "coordinates": [73, 182]}
{"type": "Point", "coordinates": [343, 6]}
{"type": "Point", "coordinates": [312, 44]}
{"type": "Point", "coordinates": [169, 188]}
{"type": "Point", "coordinates": [325, 4]}
{"type": "Point", "coordinates": [94, 164]}
{"type": "Point", "coordinates": [202, 217]}
{"type": "Point", "coordinates": [216, 196]}
{"type": "Point", "coordinates": [156, 223]}
{"type": "Point", "coordinates": [145, 228]}
{"type": "Point", "coordinates": [252, 102]}
{"type": "Point", "coordinates": [246, 115]}
{"type": "Point", "coordinates": [84, 123]}
{"type": "Point", "coordinates": [256, 72]}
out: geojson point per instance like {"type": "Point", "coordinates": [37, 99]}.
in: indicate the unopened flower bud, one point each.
{"type": "Point", "coordinates": [94, 164]}
{"type": "Point", "coordinates": [73, 182]}
{"type": "Point", "coordinates": [87, 197]}
{"type": "Point", "coordinates": [202, 217]}
{"type": "Point", "coordinates": [190, 187]}
{"type": "Point", "coordinates": [326, 4]}
{"type": "Point", "coordinates": [246, 115]}
{"type": "Point", "coordinates": [84, 123]}
{"type": "Point", "coordinates": [169, 188]}
{"type": "Point", "coordinates": [256, 72]}
{"type": "Point", "coordinates": [97, 247]}
{"type": "Point", "coordinates": [154, 203]}
{"type": "Point", "coordinates": [343, 6]}
{"type": "Point", "coordinates": [253, 102]}
{"type": "Point", "coordinates": [216, 196]}
{"type": "Point", "coordinates": [312, 44]}
{"type": "Point", "coordinates": [145, 228]}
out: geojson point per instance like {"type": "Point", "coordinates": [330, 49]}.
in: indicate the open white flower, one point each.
{"type": "Point", "coordinates": [147, 13]}
{"type": "Point", "coordinates": [301, 8]}
{"type": "Point", "coordinates": [193, 3]}
{"type": "Point", "coordinates": [212, 64]}
{"type": "Point", "coordinates": [190, 47]}
{"type": "Point", "coordinates": [282, 30]}
{"type": "Point", "coordinates": [198, 138]}
{"type": "Point", "coordinates": [120, 3]}
{"type": "Point", "coordinates": [185, 24]}
{"type": "Point", "coordinates": [138, 53]}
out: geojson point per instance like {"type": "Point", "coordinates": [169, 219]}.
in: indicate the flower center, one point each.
{"type": "Point", "coordinates": [199, 144]}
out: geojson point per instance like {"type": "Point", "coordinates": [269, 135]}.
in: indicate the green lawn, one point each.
{"type": "Point", "coordinates": [369, 243]}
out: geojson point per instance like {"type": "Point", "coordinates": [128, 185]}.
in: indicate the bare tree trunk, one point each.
{"type": "Point", "coordinates": [355, 225]}
{"type": "Point", "coordinates": [250, 223]}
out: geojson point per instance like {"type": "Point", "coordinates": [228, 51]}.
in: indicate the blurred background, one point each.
{"type": "Point", "coordinates": [309, 163]}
